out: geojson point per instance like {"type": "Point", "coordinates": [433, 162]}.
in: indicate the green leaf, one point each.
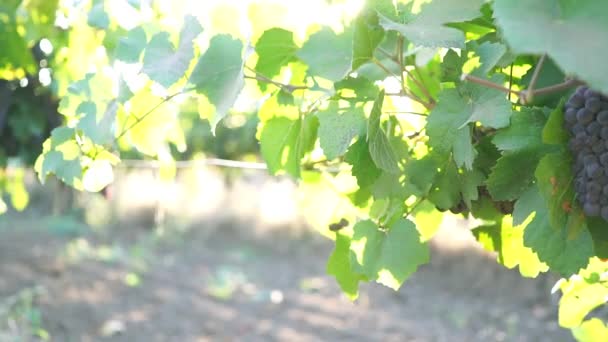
{"type": "Point", "coordinates": [451, 66]}
{"type": "Point", "coordinates": [422, 172]}
{"type": "Point", "coordinates": [338, 265]}
{"type": "Point", "coordinates": [591, 331]}
{"type": "Point", "coordinates": [364, 89]}
{"type": "Point", "coordinates": [445, 192]}
{"type": "Point", "coordinates": [513, 174]}
{"type": "Point", "coordinates": [219, 74]}
{"type": "Point", "coordinates": [364, 168]}
{"type": "Point", "coordinates": [130, 47]}
{"type": "Point", "coordinates": [428, 220]}
{"type": "Point", "coordinates": [97, 16]}
{"type": "Point", "coordinates": [367, 36]}
{"type": "Point", "coordinates": [379, 146]}
{"type": "Point", "coordinates": [555, 131]}
{"type": "Point", "coordinates": [525, 131]}
{"type": "Point", "coordinates": [565, 253]}
{"type": "Point", "coordinates": [555, 180]}
{"type": "Point", "coordinates": [284, 142]}
{"type": "Point", "coordinates": [428, 27]}
{"type": "Point", "coordinates": [328, 54]}
{"type": "Point", "coordinates": [99, 126]}
{"type": "Point", "coordinates": [165, 64]}
{"type": "Point", "coordinates": [388, 257]}
{"type": "Point", "coordinates": [489, 107]}
{"type": "Point", "coordinates": [337, 131]}
{"type": "Point", "coordinates": [490, 55]}
{"type": "Point", "coordinates": [576, 304]}
{"type": "Point", "coordinates": [445, 127]}
{"type": "Point", "coordinates": [507, 241]}
{"type": "Point", "coordinates": [275, 49]}
{"type": "Point", "coordinates": [558, 27]}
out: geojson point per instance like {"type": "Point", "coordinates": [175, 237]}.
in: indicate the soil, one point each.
{"type": "Point", "coordinates": [225, 286]}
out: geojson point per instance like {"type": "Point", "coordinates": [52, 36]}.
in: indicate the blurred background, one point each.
{"type": "Point", "coordinates": [198, 248]}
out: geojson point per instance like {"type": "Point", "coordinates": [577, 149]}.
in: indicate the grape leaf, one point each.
{"type": "Point", "coordinates": [98, 17]}
{"type": "Point", "coordinates": [555, 131]}
{"type": "Point", "coordinates": [284, 142]}
{"type": "Point", "coordinates": [337, 131]}
{"type": "Point", "coordinates": [445, 191]}
{"type": "Point", "coordinates": [547, 26]}
{"type": "Point", "coordinates": [338, 265]}
{"type": "Point", "coordinates": [219, 75]}
{"type": "Point", "coordinates": [367, 36]}
{"type": "Point", "coordinates": [507, 240]}
{"type": "Point", "coordinates": [564, 253]}
{"type": "Point", "coordinates": [328, 54]}
{"type": "Point", "coordinates": [364, 168]}
{"type": "Point", "coordinates": [428, 27]}
{"type": "Point", "coordinates": [451, 66]}
{"type": "Point", "coordinates": [164, 63]}
{"type": "Point", "coordinates": [555, 181]}
{"type": "Point", "coordinates": [98, 126]}
{"type": "Point", "coordinates": [379, 146]}
{"type": "Point", "coordinates": [387, 257]}
{"type": "Point", "coordinates": [275, 49]}
{"type": "Point", "coordinates": [421, 172]}
{"type": "Point", "coordinates": [525, 131]}
{"type": "Point", "coordinates": [445, 127]}
{"type": "Point", "coordinates": [130, 47]}
{"type": "Point", "coordinates": [577, 303]}
{"type": "Point", "coordinates": [428, 220]}
{"type": "Point", "coordinates": [590, 330]}
{"type": "Point", "coordinates": [364, 89]}
{"type": "Point", "coordinates": [513, 174]}
{"type": "Point", "coordinates": [490, 55]}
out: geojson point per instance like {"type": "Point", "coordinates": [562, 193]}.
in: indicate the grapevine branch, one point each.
{"type": "Point", "coordinates": [126, 128]}
{"type": "Point", "coordinates": [524, 94]}
{"type": "Point", "coordinates": [290, 88]}
{"type": "Point", "coordinates": [529, 94]}
{"type": "Point", "coordinates": [399, 60]}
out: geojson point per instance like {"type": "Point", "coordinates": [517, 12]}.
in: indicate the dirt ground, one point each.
{"type": "Point", "coordinates": [222, 288]}
{"type": "Point", "coordinates": [218, 281]}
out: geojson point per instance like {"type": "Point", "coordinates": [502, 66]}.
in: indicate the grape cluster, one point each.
{"type": "Point", "coordinates": [586, 117]}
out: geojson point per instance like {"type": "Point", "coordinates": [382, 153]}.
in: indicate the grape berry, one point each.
{"type": "Point", "coordinates": [586, 117]}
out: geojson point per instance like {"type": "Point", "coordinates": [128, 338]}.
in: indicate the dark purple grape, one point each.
{"type": "Point", "coordinates": [580, 91]}
{"type": "Point", "coordinates": [577, 128]}
{"type": "Point", "coordinates": [584, 116]}
{"type": "Point", "coordinates": [576, 101]}
{"type": "Point", "coordinates": [604, 159]}
{"type": "Point", "coordinates": [570, 116]}
{"type": "Point", "coordinates": [589, 159]}
{"type": "Point", "coordinates": [593, 104]}
{"type": "Point", "coordinates": [593, 170]}
{"type": "Point", "coordinates": [589, 93]}
{"type": "Point", "coordinates": [594, 128]}
{"type": "Point", "coordinates": [602, 117]}
{"type": "Point", "coordinates": [598, 148]}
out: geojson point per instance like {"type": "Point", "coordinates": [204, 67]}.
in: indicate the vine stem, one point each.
{"type": "Point", "coordinates": [528, 95]}
{"type": "Point", "coordinates": [406, 112]}
{"type": "Point", "coordinates": [399, 60]}
{"type": "Point", "coordinates": [414, 207]}
{"type": "Point", "coordinates": [139, 119]}
{"type": "Point", "coordinates": [259, 77]}
{"type": "Point", "coordinates": [489, 84]}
